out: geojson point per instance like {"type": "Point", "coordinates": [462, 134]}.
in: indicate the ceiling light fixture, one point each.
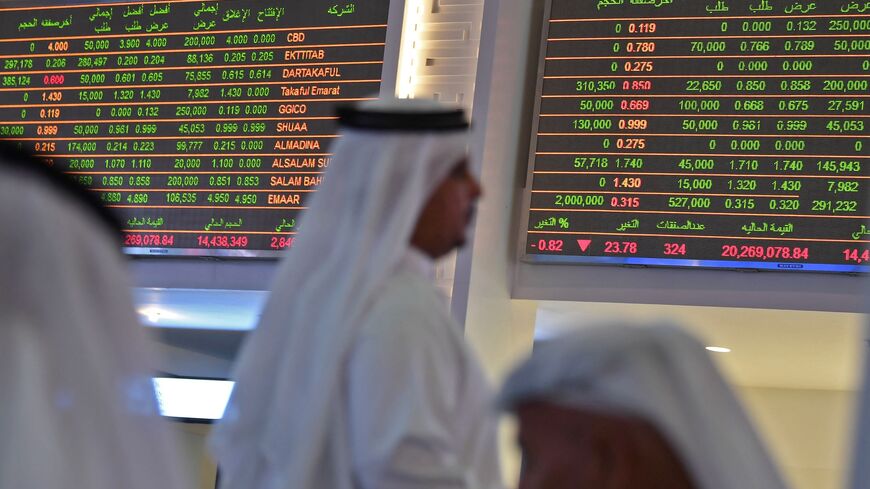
{"type": "Point", "coordinates": [152, 314]}
{"type": "Point", "coordinates": [719, 349]}
{"type": "Point", "coordinates": [192, 398]}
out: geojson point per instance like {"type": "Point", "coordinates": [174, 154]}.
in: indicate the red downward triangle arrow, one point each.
{"type": "Point", "coordinates": [584, 244]}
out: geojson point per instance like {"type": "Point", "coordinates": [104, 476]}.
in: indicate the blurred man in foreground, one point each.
{"type": "Point", "coordinates": [77, 407]}
{"type": "Point", "coordinates": [629, 407]}
{"type": "Point", "coordinates": [357, 377]}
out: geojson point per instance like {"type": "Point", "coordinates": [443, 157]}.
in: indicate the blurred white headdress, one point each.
{"type": "Point", "coordinates": [663, 375]}
{"type": "Point", "coordinates": [78, 407]}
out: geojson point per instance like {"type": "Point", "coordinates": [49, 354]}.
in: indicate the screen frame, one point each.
{"type": "Point", "coordinates": [237, 272]}
{"type": "Point", "coordinates": [620, 261]}
{"type": "Point", "coordinates": [503, 145]}
{"type": "Point", "coordinates": [389, 74]}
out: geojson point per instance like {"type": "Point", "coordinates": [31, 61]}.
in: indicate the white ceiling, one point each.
{"type": "Point", "coordinates": [770, 348]}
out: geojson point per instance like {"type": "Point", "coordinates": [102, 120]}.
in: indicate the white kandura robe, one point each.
{"type": "Point", "coordinates": [77, 406]}
{"type": "Point", "coordinates": [298, 418]}
{"type": "Point", "coordinates": [417, 407]}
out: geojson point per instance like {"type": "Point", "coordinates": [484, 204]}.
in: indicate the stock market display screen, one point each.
{"type": "Point", "coordinates": [207, 125]}
{"type": "Point", "coordinates": [702, 133]}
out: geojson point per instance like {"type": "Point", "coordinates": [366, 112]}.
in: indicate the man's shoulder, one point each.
{"type": "Point", "coordinates": [407, 304]}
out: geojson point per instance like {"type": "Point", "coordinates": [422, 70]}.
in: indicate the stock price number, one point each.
{"type": "Point", "coordinates": [595, 86]}
{"type": "Point", "coordinates": [835, 206]}
{"type": "Point", "coordinates": [246, 199]}
{"type": "Point", "coordinates": [744, 165]}
{"type": "Point", "coordinates": [638, 66]}
{"type": "Point", "coordinates": [625, 202]}
{"type": "Point", "coordinates": [552, 245]}
{"type": "Point", "coordinates": [784, 204]}
{"type": "Point", "coordinates": [843, 186]}
{"type": "Point", "coordinates": [625, 182]}
{"type": "Point", "coordinates": [575, 200]}
{"type": "Point", "coordinates": [137, 198]}
{"type": "Point", "coordinates": [281, 242]}
{"type": "Point", "coordinates": [620, 247]}
{"type": "Point", "coordinates": [696, 164]}
{"type": "Point", "coordinates": [689, 203]}
{"type": "Point", "coordinates": [140, 239]}
{"type": "Point", "coordinates": [856, 255]}
{"type": "Point", "coordinates": [630, 143]}
{"type": "Point", "coordinates": [845, 126]}
{"type": "Point", "coordinates": [222, 241]}
{"type": "Point", "coordinates": [834, 166]}
{"type": "Point", "coordinates": [44, 147]}
{"type": "Point", "coordinates": [739, 204]}
{"type": "Point", "coordinates": [744, 252]}
{"type": "Point", "coordinates": [675, 249]}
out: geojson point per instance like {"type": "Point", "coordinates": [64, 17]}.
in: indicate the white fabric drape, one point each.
{"type": "Point", "coordinates": [77, 407]}
{"type": "Point", "coordinates": [661, 374]}
{"type": "Point", "coordinates": [354, 234]}
{"type": "Point", "coordinates": [419, 409]}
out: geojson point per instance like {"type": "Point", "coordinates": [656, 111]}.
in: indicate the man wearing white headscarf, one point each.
{"type": "Point", "coordinates": [632, 407]}
{"type": "Point", "coordinates": [77, 407]}
{"type": "Point", "coordinates": [357, 377]}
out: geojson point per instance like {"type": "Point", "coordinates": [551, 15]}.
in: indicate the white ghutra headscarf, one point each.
{"type": "Point", "coordinates": [77, 406]}
{"type": "Point", "coordinates": [661, 374]}
{"type": "Point", "coordinates": [353, 236]}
